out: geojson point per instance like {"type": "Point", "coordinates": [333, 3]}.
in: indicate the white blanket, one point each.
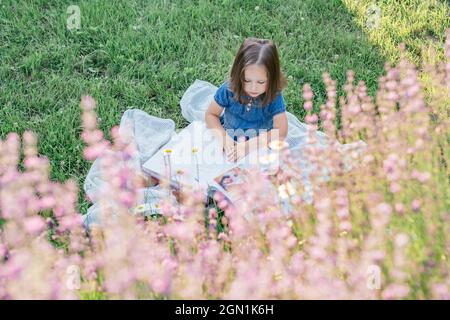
{"type": "Point", "coordinates": [151, 134]}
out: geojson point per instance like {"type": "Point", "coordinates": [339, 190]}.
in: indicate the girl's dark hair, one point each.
{"type": "Point", "coordinates": [261, 52]}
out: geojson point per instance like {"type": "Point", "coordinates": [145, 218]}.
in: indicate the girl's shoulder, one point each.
{"type": "Point", "coordinates": [223, 95]}
{"type": "Point", "coordinates": [225, 86]}
{"type": "Point", "coordinates": [277, 100]}
{"type": "Point", "coordinates": [277, 105]}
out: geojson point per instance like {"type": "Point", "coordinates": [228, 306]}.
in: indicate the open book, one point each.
{"type": "Point", "coordinates": [228, 183]}
{"type": "Point", "coordinates": [196, 160]}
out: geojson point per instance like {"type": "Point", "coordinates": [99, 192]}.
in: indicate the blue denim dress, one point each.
{"type": "Point", "coordinates": [238, 120]}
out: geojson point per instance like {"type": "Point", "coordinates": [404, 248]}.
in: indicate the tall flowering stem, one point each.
{"type": "Point", "coordinates": [197, 167]}
{"type": "Point", "coordinates": [168, 163]}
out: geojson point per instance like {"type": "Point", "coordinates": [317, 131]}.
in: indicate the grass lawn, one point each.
{"type": "Point", "coordinates": [420, 24]}
{"type": "Point", "coordinates": [144, 54]}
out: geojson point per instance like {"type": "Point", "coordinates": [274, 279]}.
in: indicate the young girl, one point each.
{"type": "Point", "coordinates": [250, 104]}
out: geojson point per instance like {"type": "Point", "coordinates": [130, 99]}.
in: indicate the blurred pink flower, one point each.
{"type": "Point", "coordinates": [415, 205]}
{"type": "Point", "coordinates": [401, 240]}
{"type": "Point", "coordinates": [307, 92]}
{"type": "Point", "coordinates": [34, 225]}
{"type": "Point", "coordinates": [87, 103]}
{"type": "Point", "coordinates": [311, 118]}
{"type": "Point", "coordinates": [399, 207]}
{"type": "Point", "coordinates": [94, 151]}
{"type": "Point", "coordinates": [395, 291]}
{"type": "Point", "coordinates": [384, 208]}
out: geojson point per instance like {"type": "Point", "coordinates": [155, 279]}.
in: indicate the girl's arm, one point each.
{"type": "Point", "coordinates": [279, 131]}
{"type": "Point", "coordinates": [280, 123]}
{"type": "Point", "coordinates": [212, 119]}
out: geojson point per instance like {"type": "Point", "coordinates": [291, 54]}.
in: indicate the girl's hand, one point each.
{"type": "Point", "coordinates": [239, 151]}
{"type": "Point", "coordinates": [229, 147]}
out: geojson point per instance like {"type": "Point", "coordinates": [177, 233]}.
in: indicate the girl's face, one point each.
{"type": "Point", "coordinates": [255, 80]}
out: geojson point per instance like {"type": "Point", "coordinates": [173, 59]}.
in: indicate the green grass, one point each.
{"type": "Point", "coordinates": [144, 54]}
{"type": "Point", "coordinates": [420, 24]}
